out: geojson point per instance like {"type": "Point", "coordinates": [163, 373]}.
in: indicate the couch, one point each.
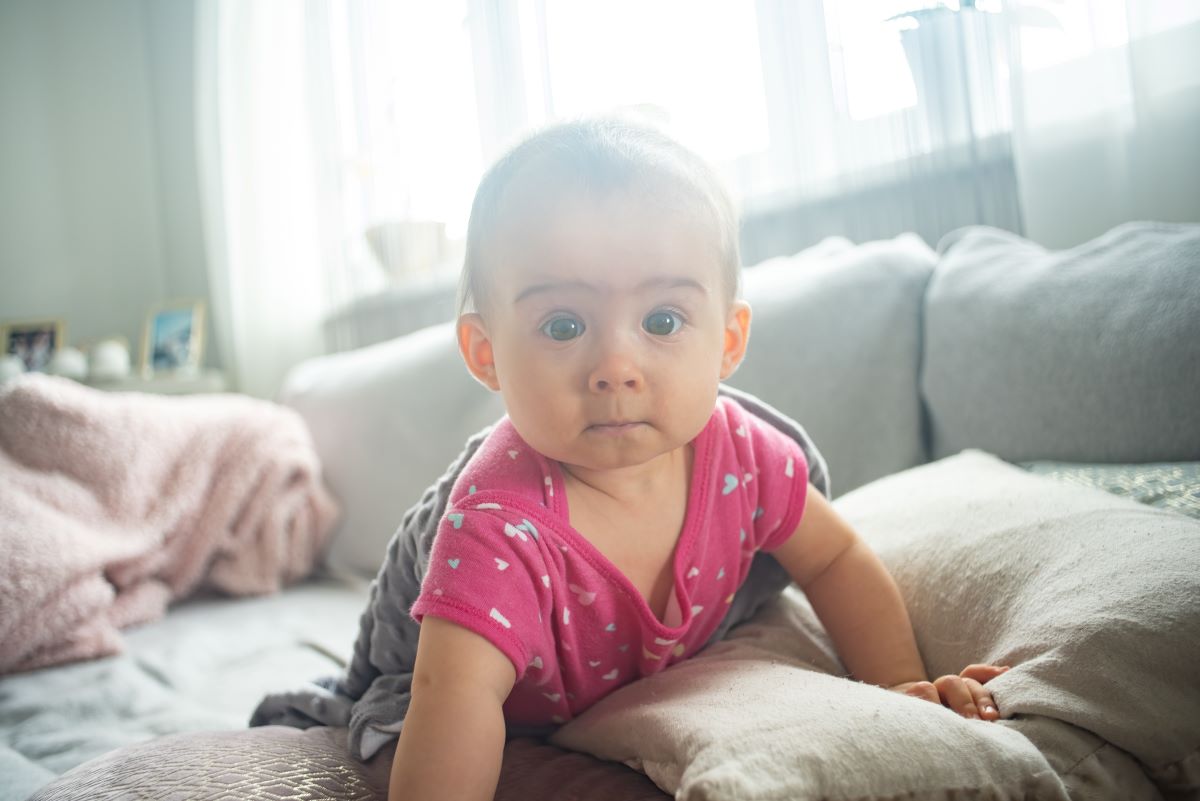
{"type": "Point", "coordinates": [982, 408]}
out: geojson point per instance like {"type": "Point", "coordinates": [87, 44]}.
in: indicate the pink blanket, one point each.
{"type": "Point", "coordinates": [112, 505]}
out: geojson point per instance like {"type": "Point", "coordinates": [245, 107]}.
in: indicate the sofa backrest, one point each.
{"type": "Point", "coordinates": [1087, 355]}
{"type": "Point", "coordinates": [387, 420]}
{"type": "Point", "coordinates": [1090, 354]}
{"type": "Point", "coordinates": [835, 343]}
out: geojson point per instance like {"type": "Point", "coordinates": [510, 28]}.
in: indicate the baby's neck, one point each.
{"type": "Point", "coordinates": [631, 487]}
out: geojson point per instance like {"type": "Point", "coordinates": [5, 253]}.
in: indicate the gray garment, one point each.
{"type": "Point", "coordinates": [372, 694]}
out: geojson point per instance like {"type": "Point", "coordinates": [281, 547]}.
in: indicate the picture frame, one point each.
{"type": "Point", "coordinates": [173, 338]}
{"type": "Point", "coordinates": [34, 342]}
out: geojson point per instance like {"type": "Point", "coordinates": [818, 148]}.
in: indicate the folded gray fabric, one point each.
{"type": "Point", "coordinates": [372, 694]}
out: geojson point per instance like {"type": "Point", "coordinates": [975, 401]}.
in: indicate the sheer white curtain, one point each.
{"type": "Point", "coordinates": [266, 115]}
{"type": "Point", "coordinates": [1054, 118]}
{"type": "Point", "coordinates": [318, 120]}
{"type": "Point", "coordinates": [1106, 106]}
{"type": "Point", "coordinates": [807, 107]}
{"type": "Point", "coordinates": [321, 119]}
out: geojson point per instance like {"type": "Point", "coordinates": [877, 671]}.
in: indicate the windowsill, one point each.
{"type": "Point", "coordinates": [205, 381]}
{"type": "Point", "coordinates": [958, 157]}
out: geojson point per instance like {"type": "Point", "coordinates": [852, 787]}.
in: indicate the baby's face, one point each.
{"type": "Point", "coordinates": [607, 323]}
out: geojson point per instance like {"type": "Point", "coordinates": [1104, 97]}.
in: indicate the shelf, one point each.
{"type": "Point", "coordinates": [205, 381]}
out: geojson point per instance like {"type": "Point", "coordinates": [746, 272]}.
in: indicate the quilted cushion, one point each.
{"type": "Point", "coordinates": [1168, 485]}
{"type": "Point", "coordinates": [277, 762]}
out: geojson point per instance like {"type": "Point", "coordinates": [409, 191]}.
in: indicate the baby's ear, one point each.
{"type": "Point", "coordinates": [476, 348]}
{"type": "Point", "coordinates": [737, 336]}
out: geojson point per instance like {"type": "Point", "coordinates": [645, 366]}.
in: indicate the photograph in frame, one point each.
{"type": "Point", "coordinates": [34, 342]}
{"type": "Point", "coordinates": [173, 340]}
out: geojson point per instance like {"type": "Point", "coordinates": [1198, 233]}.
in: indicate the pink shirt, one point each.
{"type": "Point", "coordinates": [507, 564]}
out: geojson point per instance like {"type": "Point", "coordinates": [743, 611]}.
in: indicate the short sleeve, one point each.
{"type": "Point", "coordinates": [782, 478]}
{"type": "Point", "coordinates": [484, 573]}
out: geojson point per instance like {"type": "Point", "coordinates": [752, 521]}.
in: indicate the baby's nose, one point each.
{"type": "Point", "coordinates": [615, 369]}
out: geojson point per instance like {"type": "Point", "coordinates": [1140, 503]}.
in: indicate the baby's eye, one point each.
{"type": "Point", "coordinates": [562, 329]}
{"type": "Point", "coordinates": [663, 323]}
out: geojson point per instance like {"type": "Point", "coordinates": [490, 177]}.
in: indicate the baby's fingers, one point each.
{"type": "Point", "coordinates": [982, 673]}
{"type": "Point", "coordinates": [956, 695]}
{"type": "Point", "coordinates": [983, 700]}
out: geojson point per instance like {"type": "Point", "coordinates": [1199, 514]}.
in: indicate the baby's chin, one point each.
{"type": "Point", "coordinates": [602, 448]}
{"type": "Point", "coordinates": [613, 456]}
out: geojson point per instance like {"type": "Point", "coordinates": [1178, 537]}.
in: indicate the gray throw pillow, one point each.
{"type": "Point", "coordinates": [1094, 600]}
{"type": "Point", "coordinates": [1084, 355]}
{"type": "Point", "coordinates": [835, 342]}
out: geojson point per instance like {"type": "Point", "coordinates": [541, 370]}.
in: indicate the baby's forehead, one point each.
{"type": "Point", "coordinates": [548, 215]}
{"type": "Point", "coordinates": [582, 234]}
{"type": "Point", "coordinates": [542, 188]}
{"type": "Point", "coordinates": [544, 200]}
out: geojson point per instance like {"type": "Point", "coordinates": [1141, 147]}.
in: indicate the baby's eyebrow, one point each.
{"type": "Point", "coordinates": [664, 281]}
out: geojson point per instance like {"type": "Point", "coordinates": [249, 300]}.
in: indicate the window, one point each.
{"type": "Point", "coordinates": [695, 66]}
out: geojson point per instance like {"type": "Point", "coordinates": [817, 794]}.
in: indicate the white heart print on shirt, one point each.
{"type": "Point", "coordinates": [585, 598]}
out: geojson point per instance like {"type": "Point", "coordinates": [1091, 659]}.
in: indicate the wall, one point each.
{"type": "Point", "coordinates": [99, 209]}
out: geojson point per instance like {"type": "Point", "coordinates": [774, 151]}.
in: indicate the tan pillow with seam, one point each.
{"type": "Point", "coordinates": [1095, 601]}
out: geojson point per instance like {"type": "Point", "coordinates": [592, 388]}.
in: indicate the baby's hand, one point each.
{"type": "Point", "coordinates": [964, 693]}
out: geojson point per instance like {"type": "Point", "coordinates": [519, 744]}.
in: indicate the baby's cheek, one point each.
{"type": "Point", "coordinates": [541, 424]}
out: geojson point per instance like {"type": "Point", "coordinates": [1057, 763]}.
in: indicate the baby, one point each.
{"type": "Point", "coordinates": [600, 532]}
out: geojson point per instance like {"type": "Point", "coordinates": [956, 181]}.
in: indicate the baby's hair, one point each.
{"type": "Point", "coordinates": [601, 155]}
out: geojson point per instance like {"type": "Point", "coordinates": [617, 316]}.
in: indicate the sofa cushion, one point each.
{"type": "Point", "coordinates": [835, 344]}
{"type": "Point", "coordinates": [1093, 599]}
{"type": "Point", "coordinates": [386, 420]}
{"type": "Point", "coordinates": [1083, 355]}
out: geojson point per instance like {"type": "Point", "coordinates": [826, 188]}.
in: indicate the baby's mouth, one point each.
{"type": "Point", "coordinates": [615, 426]}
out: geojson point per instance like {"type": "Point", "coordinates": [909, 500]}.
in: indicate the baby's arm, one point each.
{"type": "Point", "coordinates": [862, 609]}
{"type": "Point", "coordinates": [452, 741]}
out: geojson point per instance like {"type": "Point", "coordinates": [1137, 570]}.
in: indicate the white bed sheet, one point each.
{"type": "Point", "coordinates": [205, 665]}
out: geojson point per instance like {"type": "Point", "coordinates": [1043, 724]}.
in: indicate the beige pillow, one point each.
{"type": "Point", "coordinates": [1095, 601]}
